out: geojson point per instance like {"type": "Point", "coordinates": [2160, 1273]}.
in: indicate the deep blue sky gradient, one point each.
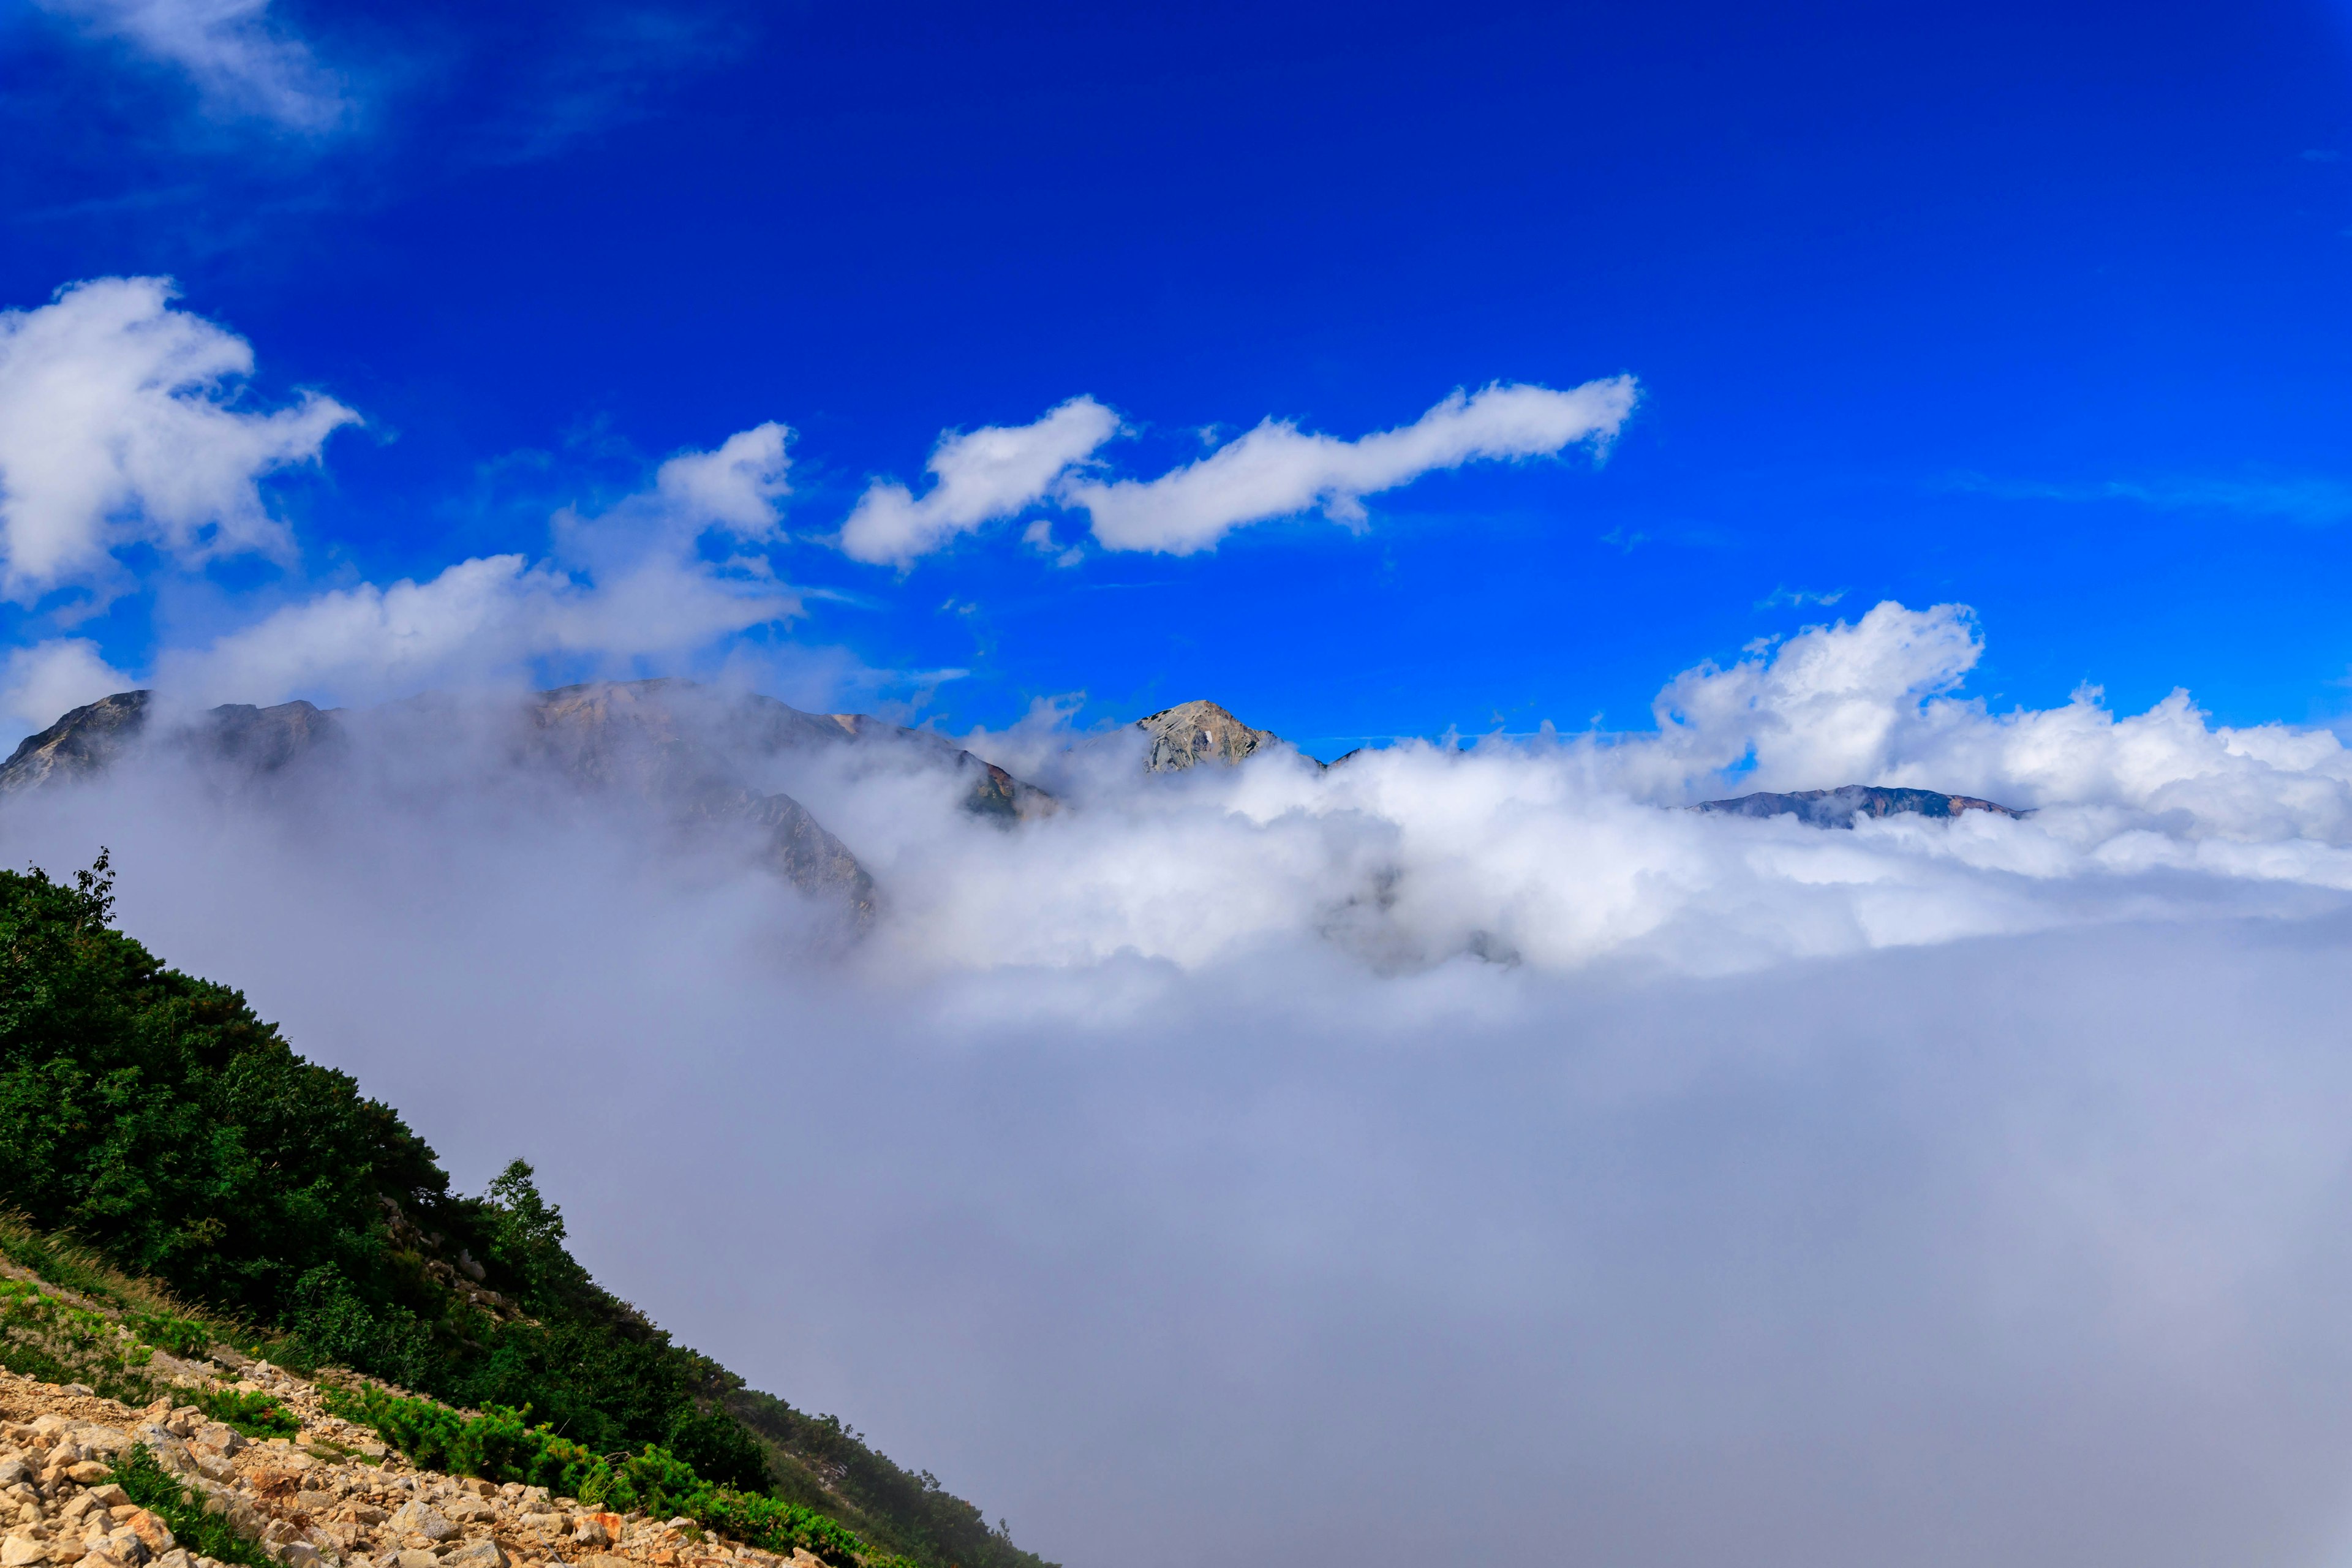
{"type": "Point", "coordinates": [2039, 308]}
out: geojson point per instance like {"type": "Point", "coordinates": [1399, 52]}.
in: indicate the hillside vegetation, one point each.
{"type": "Point", "coordinates": [151, 1118]}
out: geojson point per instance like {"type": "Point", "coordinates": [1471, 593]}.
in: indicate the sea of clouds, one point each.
{"type": "Point", "coordinates": [1465, 1153]}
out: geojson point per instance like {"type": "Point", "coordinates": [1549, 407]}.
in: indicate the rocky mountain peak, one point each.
{"type": "Point", "coordinates": [1191, 733]}
{"type": "Point", "coordinates": [78, 745]}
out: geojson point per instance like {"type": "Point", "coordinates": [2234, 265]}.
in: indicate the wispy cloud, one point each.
{"type": "Point", "coordinates": [2312, 500]}
{"type": "Point", "coordinates": [242, 61]}
{"type": "Point", "coordinates": [1798, 598]}
{"type": "Point", "coordinates": [1277, 470]}
{"type": "Point", "coordinates": [632, 582]}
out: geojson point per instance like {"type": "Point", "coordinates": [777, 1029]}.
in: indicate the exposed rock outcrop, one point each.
{"type": "Point", "coordinates": [332, 1494]}
{"type": "Point", "coordinates": [1191, 733]}
{"type": "Point", "coordinates": [1839, 807]}
{"type": "Point", "coordinates": [77, 746]}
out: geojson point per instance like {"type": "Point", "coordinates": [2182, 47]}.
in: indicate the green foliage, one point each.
{"type": "Point", "coordinates": [58, 1264]}
{"type": "Point", "coordinates": [203, 1535]}
{"type": "Point", "coordinates": [255, 1414]}
{"type": "Point", "coordinates": [47, 1338]}
{"type": "Point", "coordinates": [500, 1445]}
{"type": "Point", "coordinates": [169, 1331]}
{"type": "Point", "coordinates": [154, 1116]}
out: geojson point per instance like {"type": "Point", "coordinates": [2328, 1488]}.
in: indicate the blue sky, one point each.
{"type": "Point", "coordinates": [2035, 309]}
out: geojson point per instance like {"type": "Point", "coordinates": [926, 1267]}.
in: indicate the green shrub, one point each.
{"type": "Point", "coordinates": [500, 1445]}
{"type": "Point", "coordinates": [181, 1336]}
{"type": "Point", "coordinates": [203, 1535]}
{"type": "Point", "coordinates": [255, 1414]}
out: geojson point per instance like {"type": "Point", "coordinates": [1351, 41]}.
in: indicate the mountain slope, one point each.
{"type": "Point", "coordinates": [154, 1118]}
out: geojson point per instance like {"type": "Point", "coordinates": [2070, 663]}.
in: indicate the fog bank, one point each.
{"type": "Point", "coordinates": [1450, 1156]}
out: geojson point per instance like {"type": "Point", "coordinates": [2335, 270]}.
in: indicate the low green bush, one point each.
{"type": "Point", "coordinates": [255, 1414]}
{"type": "Point", "coordinates": [181, 1336]}
{"type": "Point", "coordinates": [500, 1445]}
{"type": "Point", "coordinates": [203, 1535]}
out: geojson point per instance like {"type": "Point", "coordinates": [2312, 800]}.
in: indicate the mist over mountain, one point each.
{"type": "Point", "coordinates": [1253, 1129]}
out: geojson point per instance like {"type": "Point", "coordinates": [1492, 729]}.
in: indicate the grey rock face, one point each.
{"type": "Point", "coordinates": [77, 746]}
{"type": "Point", "coordinates": [1839, 807]}
{"type": "Point", "coordinates": [1191, 733]}
{"type": "Point", "coordinates": [632, 738]}
{"type": "Point", "coordinates": [256, 740]}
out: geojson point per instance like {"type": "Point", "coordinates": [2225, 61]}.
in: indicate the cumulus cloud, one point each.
{"type": "Point", "coordinates": [734, 489]}
{"type": "Point", "coordinates": [1573, 850]}
{"type": "Point", "coordinates": [239, 60]}
{"type": "Point", "coordinates": [628, 583]}
{"type": "Point", "coordinates": [49, 678]}
{"type": "Point", "coordinates": [1277, 470]}
{"type": "Point", "coordinates": [978, 477]}
{"type": "Point", "coordinates": [121, 425]}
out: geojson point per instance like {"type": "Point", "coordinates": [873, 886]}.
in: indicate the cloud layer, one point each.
{"type": "Point", "coordinates": [1934, 1192]}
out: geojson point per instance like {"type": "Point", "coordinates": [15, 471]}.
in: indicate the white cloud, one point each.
{"type": "Point", "coordinates": [734, 489]}
{"type": "Point", "coordinates": [978, 476]}
{"type": "Point", "coordinates": [120, 424]}
{"type": "Point", "coordinates": [1278, 471]}
{"type": "Point", "coordinates": [230, 50]}
{"type": "Point", "coordinates": [42, 683]}
{"type": "Point", "coordinates": [624, 584]}
{"type": "Point", "coordinates": [1571, 851]}
{"type": "Point", "coordinates": [1828, 704]}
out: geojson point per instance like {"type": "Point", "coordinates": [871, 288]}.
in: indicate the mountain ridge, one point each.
{"type": "Point", "coordinates": [687, 749]}
{"type": "Point", "coordinates": [1839, 807]}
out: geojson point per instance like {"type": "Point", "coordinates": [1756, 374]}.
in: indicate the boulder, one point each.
{"type": "Point", "coordinates": [422, 1519]}
{"type": "Point", "coordinates": [153, 1533]}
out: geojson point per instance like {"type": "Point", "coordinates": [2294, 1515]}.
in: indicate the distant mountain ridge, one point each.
{"type": "Point", "coordinates": [686, 750]}
{"type": "Point", "coordinates": [1839, 807]}
{"type": "Point", "coordinates": [1192, 734]}
{"type": "Point", "coordinates": [693, 753]}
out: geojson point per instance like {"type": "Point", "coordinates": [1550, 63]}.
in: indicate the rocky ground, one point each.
{"type": "Point", "coordinates": [331, 1494]}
